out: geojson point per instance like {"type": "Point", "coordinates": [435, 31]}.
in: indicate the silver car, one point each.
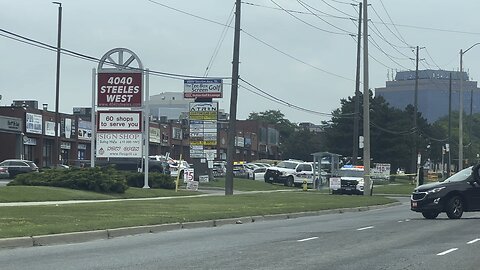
{"type": "Point", "coordinates": [17, 166]}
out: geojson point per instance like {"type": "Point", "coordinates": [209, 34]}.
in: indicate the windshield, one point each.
{"type": "Point", "coordinates": [350, 173]}
{"type": "Point", "coordinates": [287, 164]}
{"type": "Point", "coordinates": [460, 176]}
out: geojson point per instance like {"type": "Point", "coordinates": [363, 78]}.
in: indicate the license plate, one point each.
{"type": "Point", "coordinates": [271, 178]}
{"type": "Point", "coordinates": [414, 204]}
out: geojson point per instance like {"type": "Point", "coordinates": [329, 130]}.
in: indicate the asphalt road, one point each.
{"type": "Point", "coordinates": [389, 238]}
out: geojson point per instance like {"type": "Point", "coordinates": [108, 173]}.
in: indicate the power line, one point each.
{"type": "Point", "coordinates": [309, 8]}
{"type": "Point", "coordinates": [186, 13]}
{"type": "Point", "coordinates": [428, 54]}
{"type": "Point", "coordinates": [344, 13]}
{"type": "Point", "coordinates": [320, 13]}
{"type": "Point", "coordinates": [399, 36]}
{"type": "Point", "coordinates": [269, 96]}
{"type": "Point", "coordinates": [220, 41]}
{"type": "Point", "coordinates": [345, 32]}
{"type": "Point", "coordinates": [46, 46]}
{"type": "Point", "coordinates": [296, 59]}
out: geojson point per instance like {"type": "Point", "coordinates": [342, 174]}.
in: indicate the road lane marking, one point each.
{"type": "Point", "coordinates": [365, 228]}
{"type": "Point", "coordinates": [307, 239]}
{"type": "Point", "coordinates": [473, 241]}
{"type": "Point", "coordinates": [447, 251]}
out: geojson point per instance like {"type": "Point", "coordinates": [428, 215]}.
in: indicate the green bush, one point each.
{"type": "Point", "coordinates": [97, 179]}
{"type": "Point", "coordinates": [155, 180]}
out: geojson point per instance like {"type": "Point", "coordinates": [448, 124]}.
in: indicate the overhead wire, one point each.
{"type": "Point", "coordinates": [288, 104]}
{"type": "Point", "coordinates": [341, 11]}
{"type": "Point", "coordinates": [46, 46]}
{"type": "Point", "coordinates": [401, 39]}
{"type": "Point", "coordinates": [310, 8]}
{"type": "Point", "coordinates": [345, 32]}
{"type": "Point", "coordinates": [296, 58]}
{"type": "Point", "coordinates": [320, 13]}
{"type": "Point", "coordinates": [220, 41]}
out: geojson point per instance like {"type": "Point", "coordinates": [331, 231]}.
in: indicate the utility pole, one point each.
{"type": "Point", "coordinates": [56, 147]}
{"type": "Point", "coordinates": [415, 112]}
{"type": "Point", "coordinates": [366, 106]}
{"type": "Point", "coordinates": [356, 116]}
{"type": "Point", "coordinates": [233, 102]}
{"type": "Point", "coordinates": [460, 117]}
{"type": "Point", "coordinates": [449, 163]}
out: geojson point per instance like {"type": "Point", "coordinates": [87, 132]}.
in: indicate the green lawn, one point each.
{"type": "Point", "coordinates": [245, 185]}
{"type": "Point", "coordinates": [39, 220]}
{"type": "Point", "coordinates": [40, 193]}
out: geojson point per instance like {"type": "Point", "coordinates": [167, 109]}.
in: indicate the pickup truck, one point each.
{"type": "Point", "coordinates": [290, 172]}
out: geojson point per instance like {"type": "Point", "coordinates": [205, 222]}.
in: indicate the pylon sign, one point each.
{"type": "Point", "coordinates": [119, 82]}
{"type": "Point", "coordinates": [120, 89]}
{"type": "Point", "coordinates": [120, 133]}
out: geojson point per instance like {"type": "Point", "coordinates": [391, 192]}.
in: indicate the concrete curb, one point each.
{"type": "Point", "coordinates": [68, 238]}
{"type": "Point", "coordinates": [80, 237]}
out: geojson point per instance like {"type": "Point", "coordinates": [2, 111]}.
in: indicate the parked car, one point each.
{"type": "Point", "coordinates": [457, 194]}
{"type": "Point", "coordinates": [290, 172]}
{"type": "Point", "coordinates": [257, 173]}
{"type": "Point", "coordinates": [18, 166]}
{"type": "Point", "coordinates": [219, 169]}
{"type": "Point", "coordinates": [4, 173]}
{"type": "Point", "coordinates": [351, 180]}
{"type": "Point", "coordinates": [177, 167]}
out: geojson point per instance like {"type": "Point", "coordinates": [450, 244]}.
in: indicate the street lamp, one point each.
{"type": "Point", "coordinates": [460, 117]}
{"type": "Point", "coordinates": [56, 148]}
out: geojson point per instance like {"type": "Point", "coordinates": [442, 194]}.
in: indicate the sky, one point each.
{"type": "Point", "coordinates": [296, 56]}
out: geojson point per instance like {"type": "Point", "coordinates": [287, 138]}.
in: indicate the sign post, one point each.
{"type": "Point", "coordinates": [121, 133]}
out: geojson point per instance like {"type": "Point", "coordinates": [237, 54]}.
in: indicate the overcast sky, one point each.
{"type": "Point", "coordinates": [305, 56]}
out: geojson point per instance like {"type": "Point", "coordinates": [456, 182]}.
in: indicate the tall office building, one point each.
{"type": "Point", "coordinates": [433, 92]}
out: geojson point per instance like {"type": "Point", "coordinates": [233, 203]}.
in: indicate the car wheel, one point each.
{"type": "Point", "coordinates": [454, 207]}
{"type": "Point", "coordinates": [289, 181]}
{"type": "Point", "coordinates": [430, 215]}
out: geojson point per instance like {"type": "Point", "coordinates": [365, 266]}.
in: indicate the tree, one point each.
{"type": "Point", "coordinates": [392, 132]}
{"type": "Point", "coordinates": [277, 118]}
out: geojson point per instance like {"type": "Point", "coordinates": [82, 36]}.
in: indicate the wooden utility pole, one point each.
{"type": "Point", "coordinates": [415, 112]}
{"type": "Point", "coordinates": [356, 116]}
{"type": "Point", "coordinates": [366, 105]}
{"type": "Point", "coordinates": [233, 103]}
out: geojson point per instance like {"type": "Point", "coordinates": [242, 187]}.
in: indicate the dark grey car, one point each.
{"type": "Point", "coordinates": [17, 166]}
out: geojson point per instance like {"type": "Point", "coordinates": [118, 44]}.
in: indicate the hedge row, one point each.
{"type": "Point", "coordinates": [98, 179]}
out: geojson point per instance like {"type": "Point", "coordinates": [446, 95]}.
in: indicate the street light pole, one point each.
{"type": "Point", "coordinates": [460, 111]}
{"type": "Point", "coordinates": [56, 148]}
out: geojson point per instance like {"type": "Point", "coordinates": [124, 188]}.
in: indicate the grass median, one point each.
{"type": "Point", "coordinates": [19, 221]}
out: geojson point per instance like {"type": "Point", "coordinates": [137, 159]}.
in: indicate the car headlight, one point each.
{"type": "Point", "coordinates": [435, 190]}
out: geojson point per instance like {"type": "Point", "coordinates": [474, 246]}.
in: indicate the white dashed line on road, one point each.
{"type": "Point", "coordinates": [473, 241]}
{"type": "Point", "coordinates": [365, 228]}
{"type": "Point", "coordinates": [446, 251]}
{"type": "Point", "coordinates": [307, 239]}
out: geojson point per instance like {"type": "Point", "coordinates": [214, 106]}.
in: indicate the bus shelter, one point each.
{"type": "Point", "coordinates": [324, 165]}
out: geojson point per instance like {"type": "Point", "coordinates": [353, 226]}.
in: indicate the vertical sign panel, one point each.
{"type": "Point", "coordinates": [120, 90]}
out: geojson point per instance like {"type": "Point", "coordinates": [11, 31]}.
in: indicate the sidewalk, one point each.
{"type": "Point", "coordinates": [207, 192]}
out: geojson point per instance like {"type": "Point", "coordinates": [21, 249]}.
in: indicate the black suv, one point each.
{"type": "Point", "coordinates": [457, 194]}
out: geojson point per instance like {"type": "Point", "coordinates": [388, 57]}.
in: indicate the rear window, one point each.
{"type": "Point", "coordinates": [287, 165]}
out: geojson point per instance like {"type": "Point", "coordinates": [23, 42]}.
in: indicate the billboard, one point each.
{"type": "Point", "coordinates": [119, 89]}
{"type": "Point", "coordinates": [205, 88]}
